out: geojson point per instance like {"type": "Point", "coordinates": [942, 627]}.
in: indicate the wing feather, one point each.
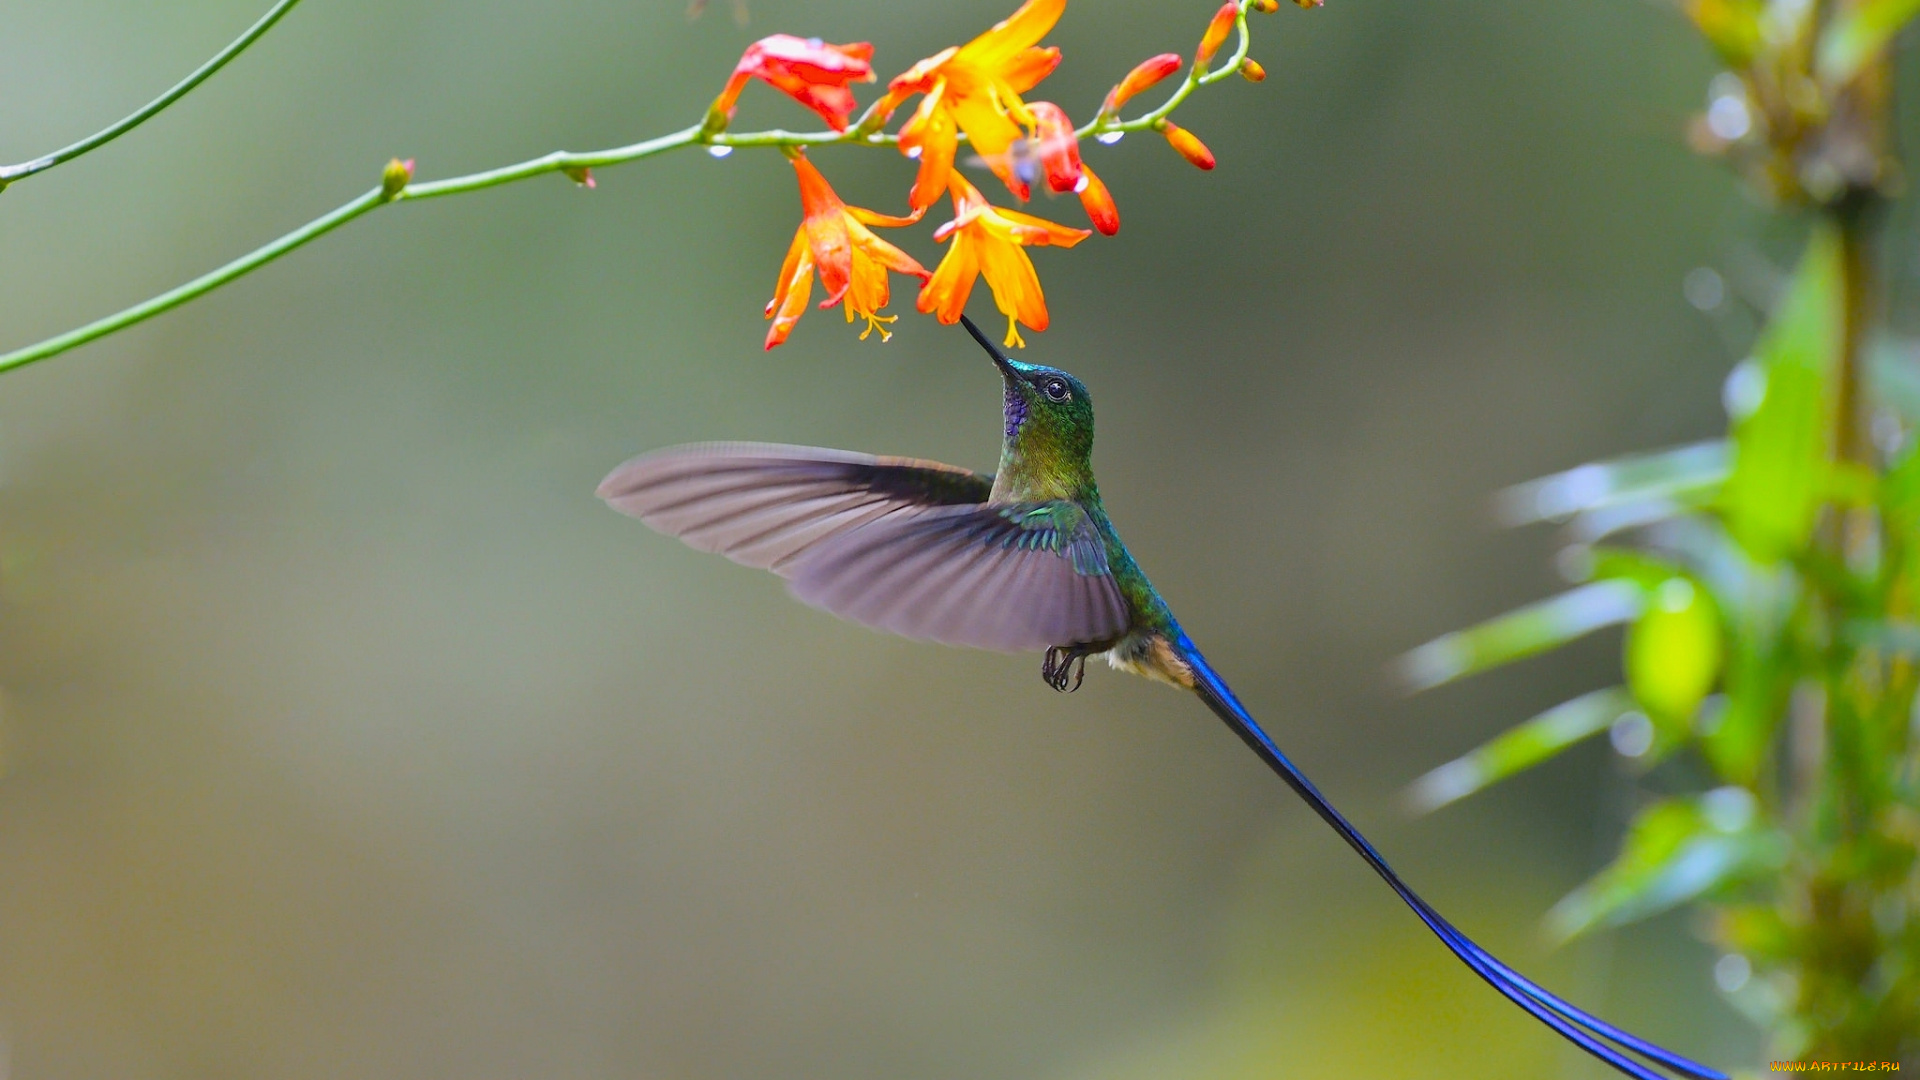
{"type": "Point", "coordinates": [965, 576]}
{"type": "Point", "coordinates": [900, 544]}
{"type": "Point", "coordinates": [764, 504]}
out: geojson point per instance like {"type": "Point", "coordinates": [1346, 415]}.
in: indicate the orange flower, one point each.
{"type": "Point", "coordinates": [808, 70]}
{"type": "Point", "coordinates": [1144, 74]}
{"type": "Point", "coordinates": [833, 239]}
{"type": "Point", "coordinates": [975, 87]}
{"type": "Point", "coordinates": [1059, 150]}
{"type": "Point", "coordinates": [991, 241]}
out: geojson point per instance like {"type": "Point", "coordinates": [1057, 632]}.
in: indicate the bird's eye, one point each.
{"type": "Point", "coordinates": [1055, 389]}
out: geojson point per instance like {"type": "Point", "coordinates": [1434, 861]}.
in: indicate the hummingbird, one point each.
{"type": "Point", "coordinates": [1023, 560]}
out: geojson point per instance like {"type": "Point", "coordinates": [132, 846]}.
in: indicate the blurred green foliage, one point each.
{"type": "Point", "coordinates": [1778, 566]}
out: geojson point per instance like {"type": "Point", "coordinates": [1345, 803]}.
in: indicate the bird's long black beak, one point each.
{"type": "Point", "coordinates": [1000, 359]}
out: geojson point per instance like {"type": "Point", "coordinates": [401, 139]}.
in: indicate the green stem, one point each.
{"type": "Point", "coordinates": [10, 173]}
{"type": "Point", "coordinates": [205, 283]}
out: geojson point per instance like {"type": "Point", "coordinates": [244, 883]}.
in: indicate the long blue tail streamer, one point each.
{"type": "Point", "coordinates": [1573, 1024]}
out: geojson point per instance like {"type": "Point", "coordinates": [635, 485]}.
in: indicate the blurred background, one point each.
{"type": "Point", "coordinates": [344, 733]}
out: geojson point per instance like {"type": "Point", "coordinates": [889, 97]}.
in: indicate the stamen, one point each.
{"type": "Point", "coordinates": [1014, 340]}
{"type": "Point", "coordinates": [874, 322]}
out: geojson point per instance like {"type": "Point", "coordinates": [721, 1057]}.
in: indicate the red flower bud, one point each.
{"type": "Point", "coordinates": [1099, 205]}
{"type": "Point", "coordinates": [1217, 32]}
{"type": "Point", "coordinates": [1304, 4]}
{"type": "Point", "coordinates": [1144, 75]}
{"type": "Point", "coordinates": [1189, 146]}
{"type": "Point", "coordinates": [1251, 70]}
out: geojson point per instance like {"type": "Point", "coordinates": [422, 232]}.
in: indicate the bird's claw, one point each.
{"type": "Point", "coordinates": [1064, 664]}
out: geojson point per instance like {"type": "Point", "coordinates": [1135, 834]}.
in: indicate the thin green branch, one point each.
{"type": "Point", "coordinates": [571, 163]}
{"type": "Point", "coordinates": [11, 173]}
{"type": "Point", "coordinates": [205, 283]}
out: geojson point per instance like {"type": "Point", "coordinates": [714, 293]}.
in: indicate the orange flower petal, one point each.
{"type": "Point", "coordinates": [1015, 284]}
{"type": "Point", "coordinates": [870, 248]}
{"type": "Point", "coordinates": [931, 136]}
{"type": "Point", "coordinates": [817, 197]}
{"type": "Point", "coordinates": [1043, 233]}
{"type": "Point", "coordinates": [868, 217]}
{"type": "Point", "coordinates": [791, 295]}
{"type": "Point", "coordinates": [919, 78]}
{"type": "Point", "coordinates": [945, 293]}
{"type": "Point", "coordinates": [992, 135]}
{"type": "Point", "coordinates": [1020, 30]}
{"type": "Point", "coordinates": [781, 284]}
{"type": "Point", "coordinates": [1026, 69]}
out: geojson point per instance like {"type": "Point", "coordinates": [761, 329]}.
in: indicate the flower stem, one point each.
{"type": "Point", "coordinates": [558, 161]}
{"type": "Point", "coordinates": [205, 283]}
{"type": "Point", "coordinates": [11, 173]}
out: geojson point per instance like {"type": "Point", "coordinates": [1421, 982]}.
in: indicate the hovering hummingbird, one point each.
{"type": "Point", "coordinates": [1023, 560]}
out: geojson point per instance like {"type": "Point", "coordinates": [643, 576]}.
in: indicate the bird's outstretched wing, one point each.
{"type": "Point", "coordinates": [764, 504]}
{"type": "Point", "coordinates": [1008, 576]}
{"type": "Point", "coordinates": [899, 544]}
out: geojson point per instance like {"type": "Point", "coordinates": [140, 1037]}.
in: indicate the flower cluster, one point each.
{"type": "Point", "coordinates": [971, 92]}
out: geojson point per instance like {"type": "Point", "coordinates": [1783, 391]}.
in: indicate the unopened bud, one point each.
{"type": "Point", "coordinates": [1099, 205]}
{"type": "Point", "coordinates": [395, 178]}
{"type": "Point", "coordinates": [1217, 31]}
{"type": "Point", "coordinates": [579, 174]}
{"type": "Point", "coordinates": [1188, 145]}
{"type": "Point", "coordinates": [1144, 74]}
{"type": "Point", "coordinates": [1306, 4]}
{"type": "Point", "coordinates": [1265, 7]}
{"type": "Point", "coordinates": [1251, 70]}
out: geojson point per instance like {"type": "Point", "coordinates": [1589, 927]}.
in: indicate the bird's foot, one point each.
{"type": "Point", "coordinates": [1066, 664]}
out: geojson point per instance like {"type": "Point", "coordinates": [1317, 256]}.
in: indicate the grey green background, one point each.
{"type": "Point", "coordinates": [345, 734]}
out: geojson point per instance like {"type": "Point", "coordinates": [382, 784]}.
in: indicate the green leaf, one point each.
{"type": "Point", "coordinates": [1675, 850]}
{"type": "Point", "coordinates": [1520, 747]}
{"type": "Point", "coordinates": [1900, 496]}
{"type": "Point", "coordinates": [1782, 408]}
{"type": "Point", "coordinates": [1628, 564]}
{"type": "Point", "coordinates": [1741, 736]}
{"type": "Point", "coordinates": [1673, 653]}
{"type": "Point", "coordinates": [1679, 474]}
{"type": "Point", "coordinates": [1535, 628]}
{"type": "Point", "coordinates": [1856, 33]}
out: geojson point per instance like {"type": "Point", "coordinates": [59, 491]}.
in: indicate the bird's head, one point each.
{"type": "Point", "coordinates": [1047, 410]}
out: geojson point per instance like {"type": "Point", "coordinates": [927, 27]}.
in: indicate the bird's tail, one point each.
{"type": "Point", "coordinates": [1578, 1027]}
